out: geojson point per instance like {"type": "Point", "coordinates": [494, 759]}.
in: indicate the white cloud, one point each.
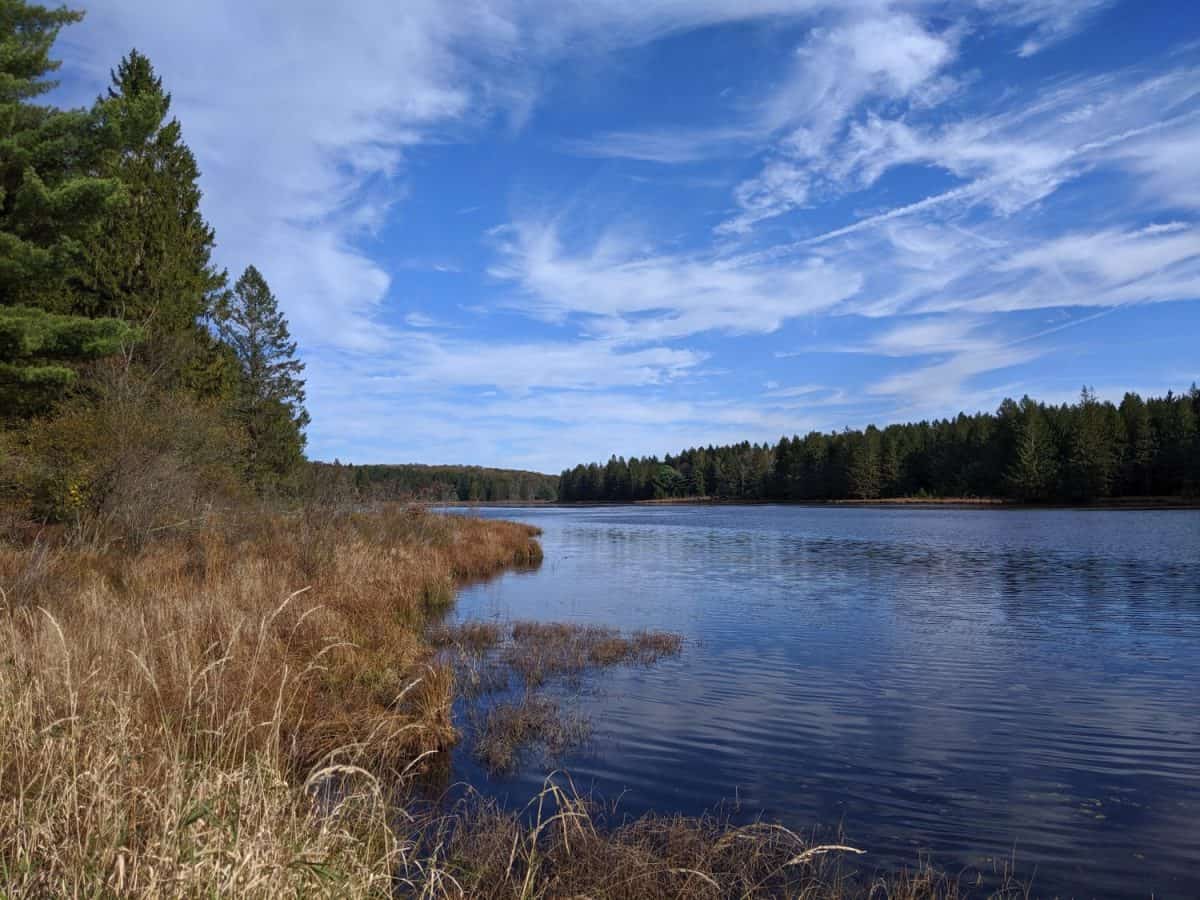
{"type": "Point", "coordinates": [941, 384]}
{"type": "Point", "coordinates": [300, 120]}
{"type": "Point", "coordinates": [780, 186]}
{"type": "Point", "coordinates": [627, 294]}
{"type": "Point", "coordinates": [887, 57]}
{"type": "Point", "coordinates": [422, 361]}
{"type": "Point", "coordinates": [1051, 20]}
{"type": "Point", "coordinates": [1168, 164]}
{"type": "Point", "coordinates": [681, 145]}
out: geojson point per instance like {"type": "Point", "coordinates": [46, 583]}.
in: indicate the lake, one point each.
{"type": "Point", "coordinates": [975, 685]}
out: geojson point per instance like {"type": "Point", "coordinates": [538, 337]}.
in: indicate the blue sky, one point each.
{"type": "Point", "coordinates": [534, 233]}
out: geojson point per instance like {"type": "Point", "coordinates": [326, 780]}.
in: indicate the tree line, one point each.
{"type": "Point", "coordinates": [431, 483]}
{"type": "Point", "coordinates": [1027, 451]}
{"type": "Point", "coordinates": [135, 379]}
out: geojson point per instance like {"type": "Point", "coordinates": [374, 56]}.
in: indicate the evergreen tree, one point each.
{"type": "Point", "coordinates": [271, 395]}
{"type": "Point", "coordinates": [37, 348]}
{"type": "Point", "coordinates": [1034, 472]}
{"type": "Point", "coordinates": [1137, 468]}
{"type": "Point", "coordinates": [863, 468]}
{"type": "Point", "coordinates": [151, 262]}
{"type": "Point", "coordinates": [51, 201]}
{"type": "Point", "coordinates": [889, 466]}
{"type": "Point", "coordinates": [1092, 459]}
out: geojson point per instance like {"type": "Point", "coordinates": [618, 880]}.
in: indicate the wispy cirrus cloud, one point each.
{"type": "Point", "coordinates": [665, 146]}
{"type": "Point", "coordinates": [622, 292]}
{"type": "Point", "coordinates": [1049, 20]}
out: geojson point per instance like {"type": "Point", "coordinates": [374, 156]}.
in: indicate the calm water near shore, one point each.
{"type": "Point", "coordinates": [970, 684]}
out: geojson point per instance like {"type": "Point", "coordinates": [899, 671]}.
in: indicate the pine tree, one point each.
{"type": "Point", "coordinates": [51, 202]}
{"type": "Point", "coordinates": [889, 466]}
{"type": "Point", "coordinates": [863, 469]}
{"type": "Point", "coordinates": [151, 263]}
{"type": "Point", "coordinates": [271, 395]}
{"type": "Point", "coordinates": [37, 349]}
{"type": "Point", "coordinates": [1093, 454]}
{"type": "Point", "coordinates": [1138, 466]}
{"type": "Point", "coordinates": [1035, 470]}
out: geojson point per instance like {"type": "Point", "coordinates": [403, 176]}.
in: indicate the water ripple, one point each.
{"type": "Point", "coordinates": [966, 683]}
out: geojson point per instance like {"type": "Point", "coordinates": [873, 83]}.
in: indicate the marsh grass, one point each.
{"type": "Point", "coordinates": [168, 715]}
{"type": "Point", "coordinates": [489, 656]}
{"type": "Point", "coordinates": [504, 731]}
{"type": "Point", "coordinates": [233, 708]}
{"type": "Point", "coordinates": [564, 845]}
{"type": "Point", "coordinates": [541, 650]}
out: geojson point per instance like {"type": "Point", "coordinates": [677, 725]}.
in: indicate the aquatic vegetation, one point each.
{"type": "Point", "coordinates": [540, 650]}
{"type": "Point", "coordinates": [504, 730]}
{"type": "Point", "coordinates": [488, 656]}
{"type": "Point", "coordinates": [564, 845]}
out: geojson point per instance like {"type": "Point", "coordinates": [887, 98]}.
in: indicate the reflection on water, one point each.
{"type": "Point", "coordinates": [962, 682]}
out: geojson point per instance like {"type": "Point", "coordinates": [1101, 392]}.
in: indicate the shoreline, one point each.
{"type": "Point", "coordinates": [1134, 504]}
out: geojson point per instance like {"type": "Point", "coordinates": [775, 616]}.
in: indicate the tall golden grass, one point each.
{"type": "Point", "coordinates": [220, 713]}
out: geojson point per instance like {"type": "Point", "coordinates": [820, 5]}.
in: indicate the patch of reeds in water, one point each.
{"type": "Point", "coordinates": [564, 845]}
{"type": "Point", "coordinates": [489, 655]}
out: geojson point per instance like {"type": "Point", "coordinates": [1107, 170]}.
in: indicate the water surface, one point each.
{"type": "Point", "coordinates": [968, 684]}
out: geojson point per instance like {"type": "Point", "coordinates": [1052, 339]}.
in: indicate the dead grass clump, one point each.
{"type": "Point", "coordinates": [473, 637]}
{"type": "Point", "coordinates": [562, 845]}
{"type": "Point", "coordinates": [538, 651]}
{"type": "Point", "coordinates": [504, 731]}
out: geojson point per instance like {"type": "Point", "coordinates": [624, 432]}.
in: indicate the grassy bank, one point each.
{"type": "Point", "coordinates": [161, 711]}
{"type": "Point", "coordinates": [234, 711]}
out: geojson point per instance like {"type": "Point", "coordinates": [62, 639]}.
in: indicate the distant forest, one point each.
{"type": "Point", "coordinates": [1027, 451]}
{"type": "Point", "coordinates": [416, 482]}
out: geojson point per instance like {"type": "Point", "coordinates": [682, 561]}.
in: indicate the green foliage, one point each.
{"type": "Point", "coordinates": [863, 472]}
{"type": "Point", "coordinates": [270, 403]}
{"type": "Point", "coordinates": [1027, 451]}
{"type": "Point", "coordinates": [335, 481]}
{"type": "Point", "coordinates": [151, 262]}
{"type": "Point", "coordinates": [130, 457]}
{"type": "Point", "coordinates": [51, 200]}
{"type": "Point", "coordinates": [103, 249]}
{"type": "Point", "coordinates": [37, 348]}
{"type": "Point", "coordinates": [1034, 472]}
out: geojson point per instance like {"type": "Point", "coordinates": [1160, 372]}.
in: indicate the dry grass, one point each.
{"type": "Point", "coordinates": [163, 710]}
{"type": "Point", "coordinates": [473, 638]}
{"type": "Point", "coordinates": [562, 845]}
{"type": "Point", "coordinates": [503, 731]}
{"type": "Point", "coordinates": [541, 650]}
{"type": "Point", "coordinates": [538, 651]}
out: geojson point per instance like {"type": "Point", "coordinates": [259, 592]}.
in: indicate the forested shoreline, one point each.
{"type": "Point", "coordinates": [1026, 451]}
{"type": "Point", "coordinates": [415, 482]}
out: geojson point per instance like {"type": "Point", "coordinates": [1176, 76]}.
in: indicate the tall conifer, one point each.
{"type": "Point", "coordinates": [51, 201]}
{"type": "Point", "coordinates": [271, 397]}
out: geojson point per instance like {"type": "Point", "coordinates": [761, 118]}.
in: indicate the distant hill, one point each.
{"type": "Point", "coordinates": [420, 482]}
